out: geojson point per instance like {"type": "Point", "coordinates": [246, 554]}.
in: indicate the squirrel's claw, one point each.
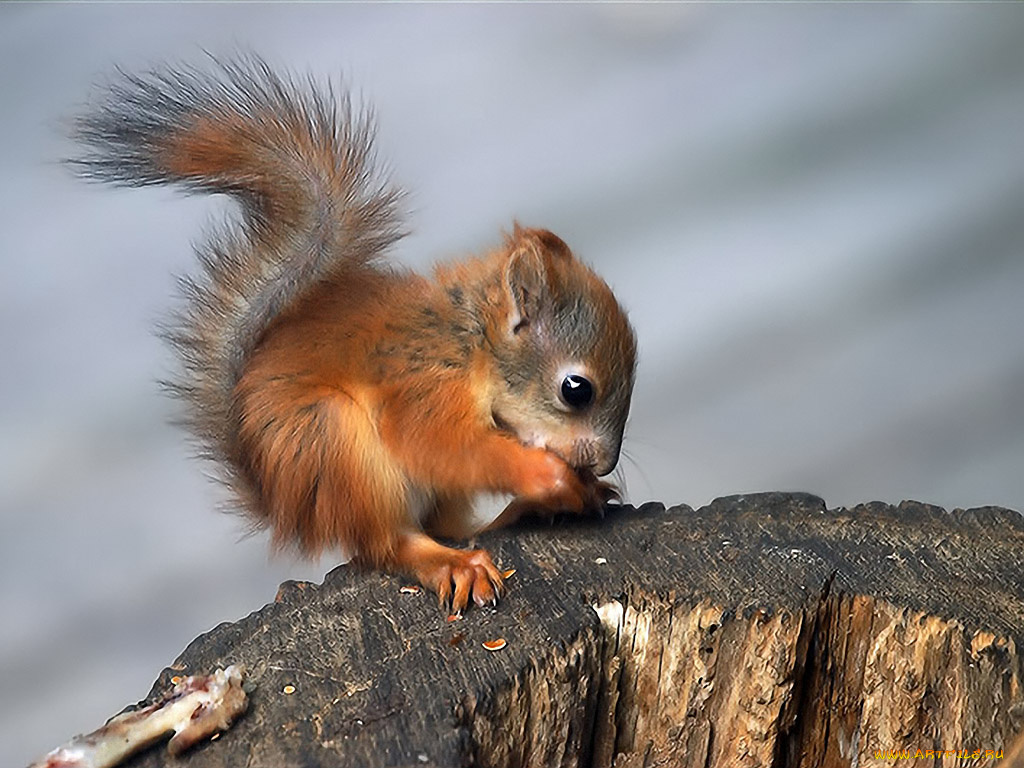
{"type": "Point", "coordinates": [456, 575]}
{"type": "Point", "coordinates": [475, 577]}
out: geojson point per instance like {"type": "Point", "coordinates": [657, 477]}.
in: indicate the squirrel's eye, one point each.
{"type": "Point", "coordinates": [577, 392]}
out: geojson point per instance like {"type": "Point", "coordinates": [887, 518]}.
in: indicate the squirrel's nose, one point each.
{"type": "Point", "coordinates": [594, 455]}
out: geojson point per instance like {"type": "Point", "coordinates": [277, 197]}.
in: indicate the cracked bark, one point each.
{"type": "Point", "coordinates": [761, 630]}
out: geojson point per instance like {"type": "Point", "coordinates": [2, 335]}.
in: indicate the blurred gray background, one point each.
{"type": "Point", "coordinates": [815, 214]}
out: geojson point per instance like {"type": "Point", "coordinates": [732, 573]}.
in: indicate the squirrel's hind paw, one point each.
{"type": "Point", "coordinates": [456, 575]}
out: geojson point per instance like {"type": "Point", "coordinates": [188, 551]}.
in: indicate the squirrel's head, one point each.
{"type": "Point", "coordinates": [565, 353]}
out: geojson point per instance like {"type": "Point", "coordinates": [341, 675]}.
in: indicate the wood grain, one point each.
{"type": "Point", "coordinates": [761, 630]}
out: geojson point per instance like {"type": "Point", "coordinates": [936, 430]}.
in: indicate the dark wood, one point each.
{"type": "Point", "coordinates": [759, 630]}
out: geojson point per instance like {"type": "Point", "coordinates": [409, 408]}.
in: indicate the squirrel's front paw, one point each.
{"type": "Point", "coordinates": [557, 487]}
{"type": "Point", "coordinates": [552, 484]}
{"type": "Point", "coordinates": [598, 492]}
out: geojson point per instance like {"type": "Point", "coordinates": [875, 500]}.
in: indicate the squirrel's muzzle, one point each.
{"type": "Point", "coordinates": [595, 456]}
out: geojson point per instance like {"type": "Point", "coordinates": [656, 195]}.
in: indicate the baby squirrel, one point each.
{"type": "Point", "coordinates": [350, 403]}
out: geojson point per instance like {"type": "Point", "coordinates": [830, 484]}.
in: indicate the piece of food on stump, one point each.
{"type": "Point", "coordinates": [198, 707]}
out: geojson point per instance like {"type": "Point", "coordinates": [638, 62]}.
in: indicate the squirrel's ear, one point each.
{"type": "Point", "coordinates": [525, 283]}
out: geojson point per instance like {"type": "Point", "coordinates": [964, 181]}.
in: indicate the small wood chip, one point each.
{"type": "Point", "coordinates": [508, 574]}
{"type": "Point", "coordinates": [410, 590]}
{"type": "Point", "coordinates": [495, 645]}
{"type": "Point", "coordinates": [601, 560]}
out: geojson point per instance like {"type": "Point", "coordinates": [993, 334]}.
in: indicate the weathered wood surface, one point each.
{"type": "Point", "coordinates": [759, 630]}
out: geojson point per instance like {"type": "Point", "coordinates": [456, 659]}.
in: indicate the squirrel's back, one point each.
{"type": "Point", "coordinates": [299, 160]}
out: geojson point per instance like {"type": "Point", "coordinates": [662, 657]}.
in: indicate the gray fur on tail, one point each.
{"type": "Point", "coordinates": [311, 197]}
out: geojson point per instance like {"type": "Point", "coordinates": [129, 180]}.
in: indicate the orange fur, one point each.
{"type": "Point", "coordinates": [322, 416]}
{"type": "Point", "coordinates": [352, 404]}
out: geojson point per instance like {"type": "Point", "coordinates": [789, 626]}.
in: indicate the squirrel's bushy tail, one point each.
{"type": "Point", "coordinates": [299, 160]}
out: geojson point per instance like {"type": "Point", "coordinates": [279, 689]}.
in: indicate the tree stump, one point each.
{"type": "Point", "coordinates": [761, 630]}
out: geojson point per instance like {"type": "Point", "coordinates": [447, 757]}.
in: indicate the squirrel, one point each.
{"type": "Point", "coordinates": [350, 403]}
